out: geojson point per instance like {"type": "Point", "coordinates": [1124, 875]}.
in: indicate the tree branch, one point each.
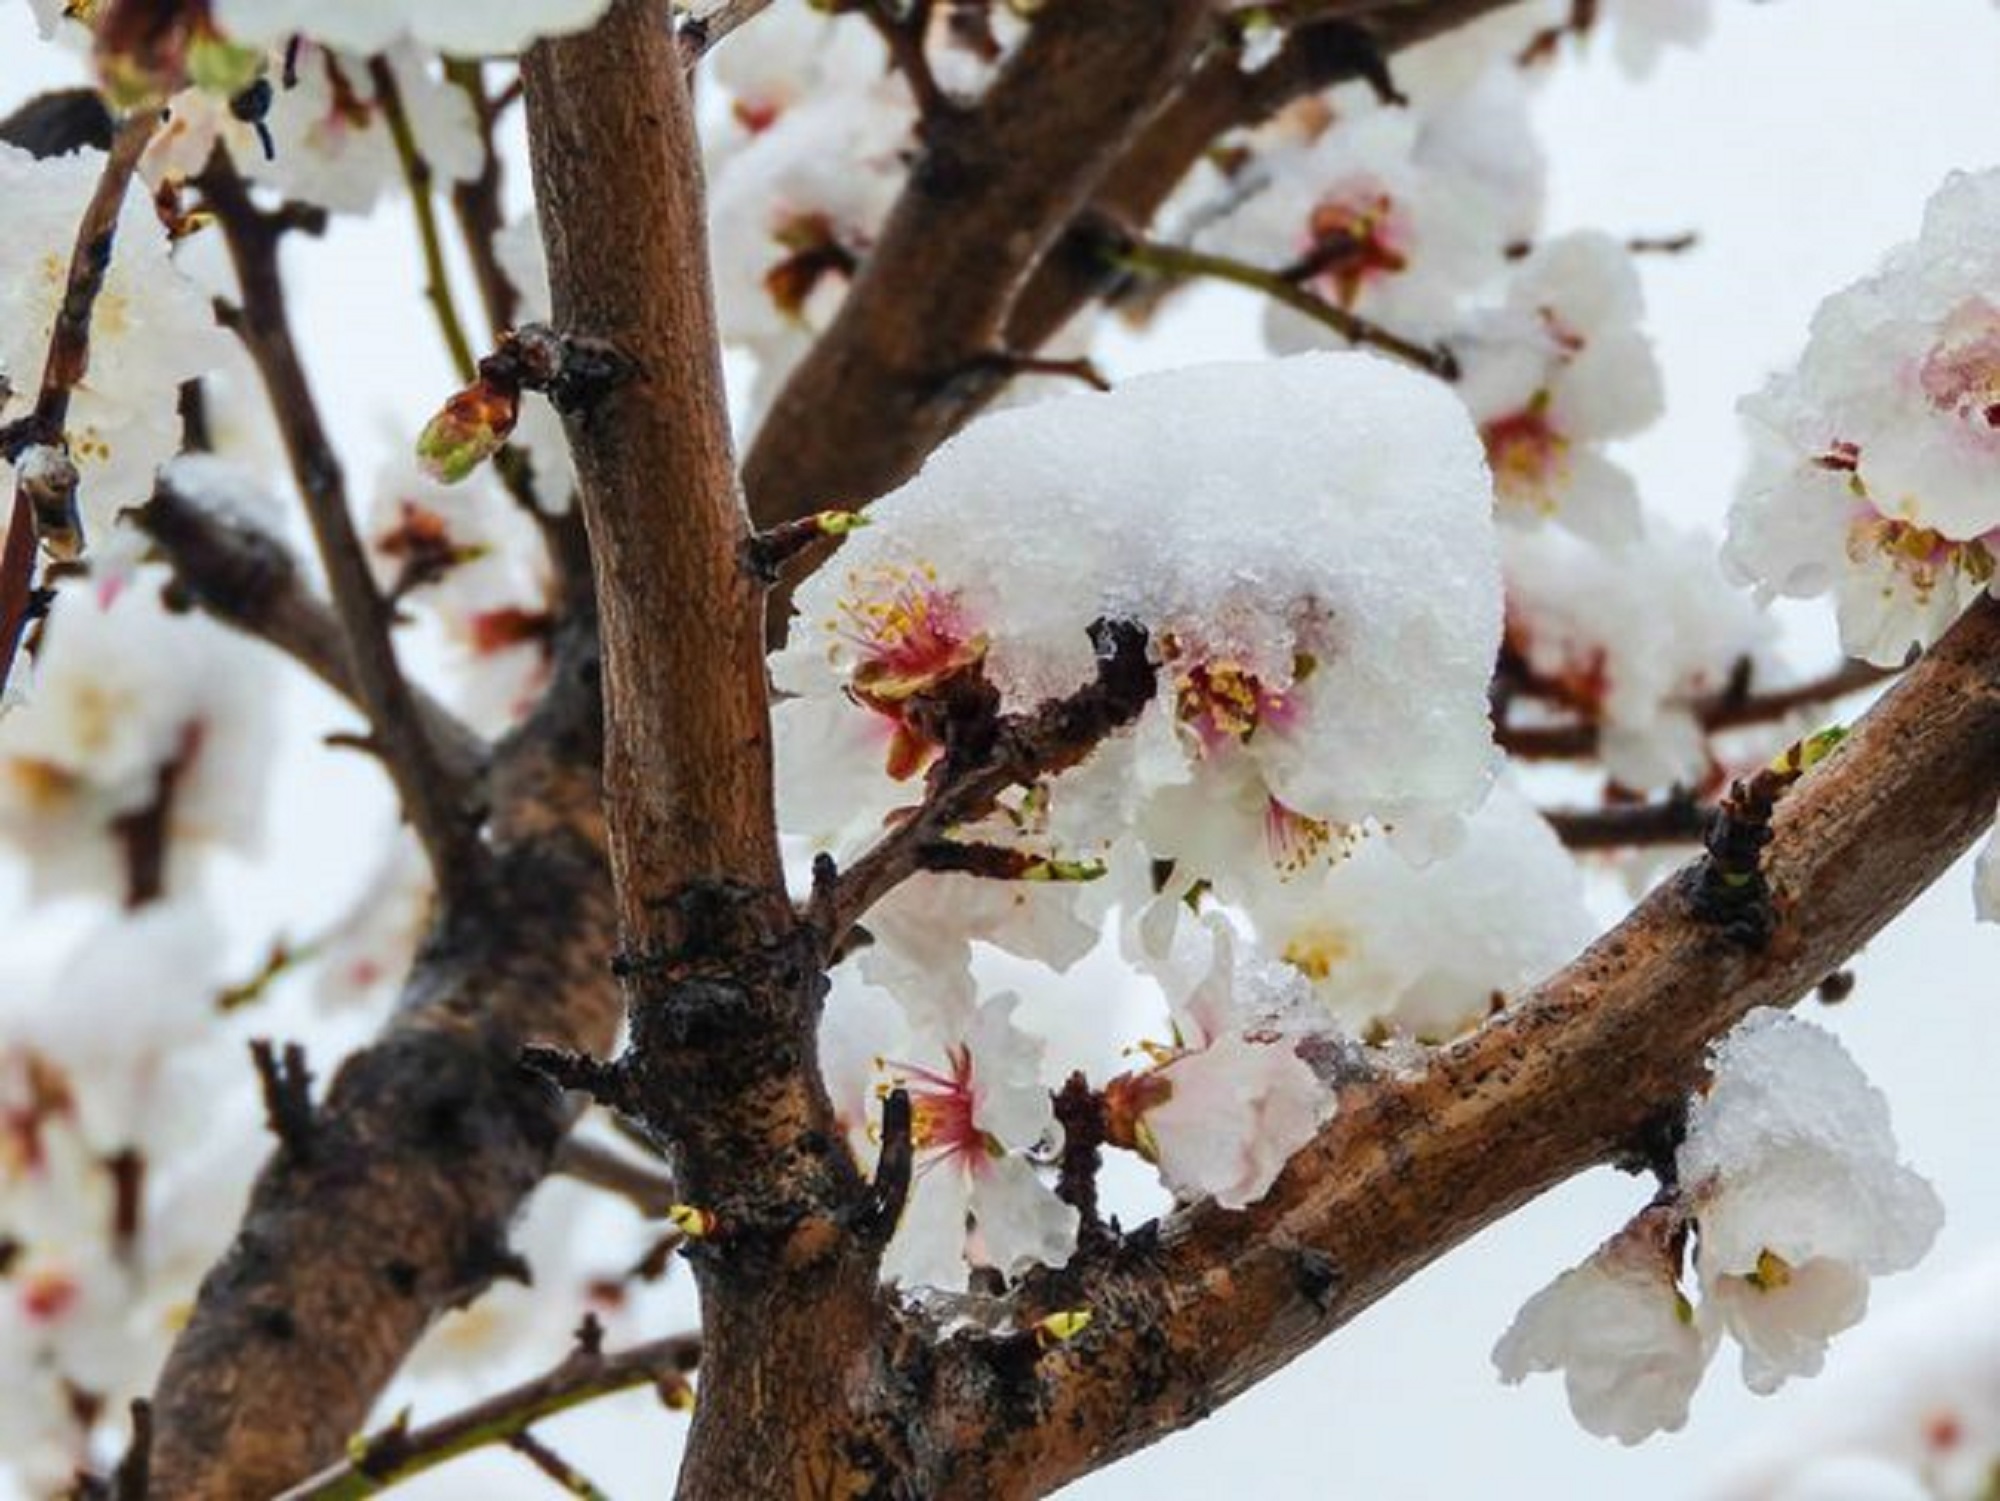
{"type": "Point", "coordinates": [241, 575]}
{"type": "Point", "coordinates": [688, 760]}
{"type": "Point", "coordinates": [1180, 263]}
{"type": "Point", "coordinates": [1677, 819]}
{"type": "Point", "coordinates": [1732, 709]}
{"type": "Point", "coordinates": [67, 361]}
{"type": "Point", "coordinates": [400, 1452]}
{"type": "Point", "coordinates": [1414, 1163]}
{"type": "Point", "coordinates": [991, 189]}
{"type": "Point", "coordinates": [440, 807]}
{"type": "Point", "coordinates": [425, 1144]}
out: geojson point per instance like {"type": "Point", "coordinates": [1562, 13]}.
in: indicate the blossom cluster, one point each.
{"type": "Point", "coordinates": [1790, 1182]}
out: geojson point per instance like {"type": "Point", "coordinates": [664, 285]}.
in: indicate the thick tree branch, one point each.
{"type": "Point", "coordinates": [424, 1145]}
{"type": "Point", "coordinates": [1414, 1163]}
{"type": "Point", "coordinates": [991, 189]}
{"type": "Point", "coordinates": [723, 982]}
{"type": "Point", "coordinates": [440, 808]}
{"type": "Point", "coordinates": [688, 759]}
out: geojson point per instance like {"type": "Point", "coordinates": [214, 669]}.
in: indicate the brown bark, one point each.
{"type": "Point", "coordinates": [1582, 1072]}
{"type": "Point", "coordinates": [420, 1155]}
{"type": "Point", "coordinates": [994, 244]}
{"type": "Point", "coordinates": [907, 359]}
{"type": "Point", "coordinates": [722, 981]}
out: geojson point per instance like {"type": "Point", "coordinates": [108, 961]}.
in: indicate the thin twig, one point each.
{"type": "Point", "coordinates": [986, 754]}
{"type": "Point", "coordinates": [67, 360]}
{"type": "Point", "coordinates": [240, 574]}
{"type": "Point", "coordinates": [399, 1451]}
{"type": "Point", "coordinates": [702, 26]}
{"type": "Point", "coordinates": [643, 1186]}
{"type": "Point", "coordinates": [417, 177]}
{"type": "Point", "coordinates": [1673, 820]}
{"type": "Point", "coordinates": [904, 26]}
{"type": "Point", "coordinates": [1153, 258]}
{"type": "Point", "coordinates": [553, 1465]}
{"type": "Point", "coordinates": [439, 804]}
{"type": "Point", "coordinates": [1731, 709]}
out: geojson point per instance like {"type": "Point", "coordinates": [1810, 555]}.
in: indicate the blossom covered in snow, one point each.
{"type": "Point", "coordinates": [1228, 1100]}
{"type": "Point", "coordinates": [151, 329]}
{"type": "Point", "coordinates": [1317, 670]}
{"type": "Point", "coordinates": [1428, 951]}
{"type": "Point", "coordinates": [1555, 371]}
{"type": "Point", "coordinates": [1879, 454]}
{"type": "Point", "coordinates": [1621, 1331]}
{"type": "Point", "coordinates": [1792, 1174]}
{"type": "Point", "coordinates": [365, 26]}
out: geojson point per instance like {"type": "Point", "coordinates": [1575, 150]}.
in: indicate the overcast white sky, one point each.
{"type": "Point", "coordinates": [1800, 143]}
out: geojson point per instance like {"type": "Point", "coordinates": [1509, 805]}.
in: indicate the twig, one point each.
{"type": "Point", "coordinates": [288, 1104]}
{"type": "Point", "coordinates": [240, 574]}
{"type": "Point", "coordinates": [400, 1452]}
{"type": "Point", "coordinates": [553, 1465]}
{"type": "Point", "coordinates": [646, 1189]}
{"type": "Point", "coordinates": [1013, 363]}
{"type": "Point", "coordinates": [1153, 258]}
{"type": "Point", "coordinates": [904, 26]}
{"type": "Point", "coordinates": [440, 805]}
{"type": "Point", "coordinates": [417, 179]}
{"type": "Point", "coordinates": [986, 754]}
{"type": "Point", "coordinates": [702, 26]}
{"type": "Point", "coordinates": [1678, 819]}
{"type": "Point", "coordinates": [1732, 709]}
{"type": "Point", "coordinates": [67, 360]}
{"type": "Point", "coordinates": [894, 1167]}
{"type": "Point", "coordinates": [476, 204]}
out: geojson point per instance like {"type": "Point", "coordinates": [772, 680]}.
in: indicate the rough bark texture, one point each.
{"type": "Point", "coordinates": [1576, 1075]}
{"type": "Point", "coordinates": [722, 981]}
{"type": "Point", "coordinates": [904, 362]}
{"type": "Point", "coordinates": [425, 1147]}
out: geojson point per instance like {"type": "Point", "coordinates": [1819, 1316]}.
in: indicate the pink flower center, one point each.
{"type": "Point", "coordinates": [1528, 455]}
{"type": "Point", "coordinates": [1357, 239]}
{"type": "Point", "coordinates": [49, 1294]}
{"type": "Point", "coordinates": [909, 636]}
{"type": "Point", "coordinates": [941, 1111]}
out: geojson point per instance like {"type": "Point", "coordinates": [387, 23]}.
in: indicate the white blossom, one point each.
{"type": "Point", "coordinates": [1791, 1171]}
{"type": "Point", "coordinates": [130, 707]}
{"type": "Point", "coordinates": [365, 26]}
{"type": "Point", "coordinates": [151, 329]}
{"type": "Point", "coordinates": [1622, 1333]}
{"type": "Point", "coordinates": [1257, 520]}
{"type": "Point", "coordinates": [1555, 371]}
{"type": "Point", "coordinates": [1879, 453]}
{"type": "Point", "coordinates": [1229, 1100]}
{"type": "Point", "coordinates": [1633, 640]}
{"type": "Point", "coordinates": [1427, 952]}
